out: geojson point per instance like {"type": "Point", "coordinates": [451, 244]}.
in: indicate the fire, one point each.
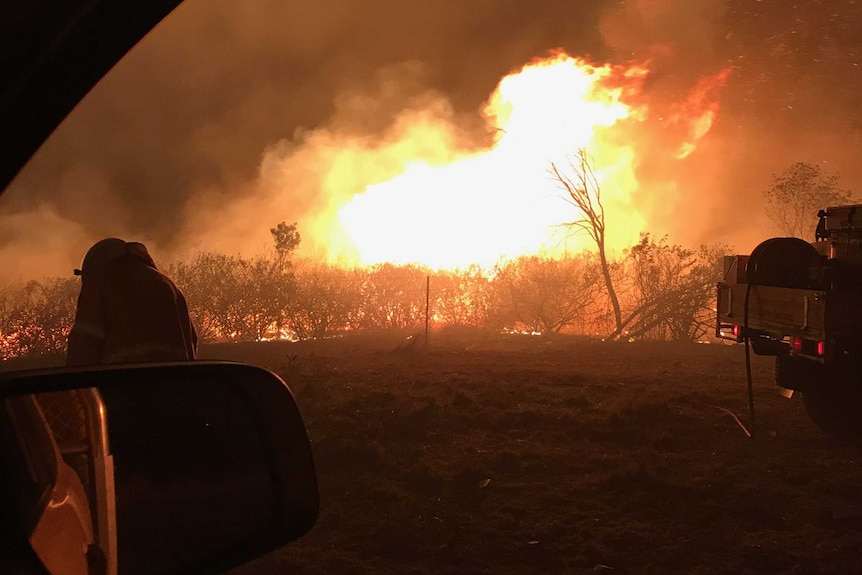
{"type": "Point", "coordinates": [498, 201]}
{"type": "Point", "coordinates": [556, 105]}
{"type": "Point", "coordinates": [699, 111]}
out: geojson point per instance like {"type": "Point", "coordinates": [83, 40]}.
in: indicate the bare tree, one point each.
{"type": "Point", "coordinates": [584, 193]}
{"type": "Point", "coordinates": [796, 195]}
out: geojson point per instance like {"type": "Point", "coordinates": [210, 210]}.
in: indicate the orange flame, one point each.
{"type": "Point", "coordinates": [499, 202]}
{"type": "Point", "coordinates": [700, 110]}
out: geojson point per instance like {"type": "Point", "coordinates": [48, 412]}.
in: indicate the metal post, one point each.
{"type": "Point", "coordinates": [102, 474]}
{"type": "Point", "coordinates": [427, 305]}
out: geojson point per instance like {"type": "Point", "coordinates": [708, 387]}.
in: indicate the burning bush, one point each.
{"type": "Point", "coordinates": [670, 290]}
{"type": "Point", "coordinates": [463, 298]}
{"type": "Point", "coordinates": [665, 292]}
{"type": "Point", "coordinates": [233, 298]}
{"type": "Point", "coordinates": [35, 317]}
{"type": "Point", "coordinates": [546, 295]}
{"type": "Point", "coordinates": [392, 297]}
{"type": "Point", "coordinates": [326, 300]}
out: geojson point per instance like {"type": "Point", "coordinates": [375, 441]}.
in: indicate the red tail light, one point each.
{"type": "Point", "coordinates": [821, 348]}
{"type": "Point", "coordinates": [735, 331]}
{"type": "Point", "coordinates": [797, 344]}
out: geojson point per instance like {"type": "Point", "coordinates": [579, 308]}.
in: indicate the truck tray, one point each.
{"type": "Point", "coordinates": [776, 310]}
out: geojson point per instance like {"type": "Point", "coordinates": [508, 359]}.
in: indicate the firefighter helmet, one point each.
{"type": "Point", "coordinates": [101, 253]}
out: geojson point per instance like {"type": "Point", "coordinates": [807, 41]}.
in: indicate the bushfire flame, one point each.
{"type": "Point", "coordinates": [499, 201]}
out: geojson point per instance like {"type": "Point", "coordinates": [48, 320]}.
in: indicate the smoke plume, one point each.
{"type": "Point", "coordinates": [233, 116]}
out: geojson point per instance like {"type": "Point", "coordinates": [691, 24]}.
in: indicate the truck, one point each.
{"type": "Point", "coordinates": [801, 302]}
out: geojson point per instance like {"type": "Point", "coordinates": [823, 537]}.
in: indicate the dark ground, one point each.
{"type": "Point", "coordinates": [492, 454]}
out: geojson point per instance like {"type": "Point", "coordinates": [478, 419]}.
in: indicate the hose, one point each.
{"type": "Point", "coordinates": [747, 340]}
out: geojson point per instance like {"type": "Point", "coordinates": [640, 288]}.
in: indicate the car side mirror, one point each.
{"type": "Point", "coordinates": [187, 467]}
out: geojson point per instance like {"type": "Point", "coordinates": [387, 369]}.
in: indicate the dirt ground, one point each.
{"type": "Point", "coordinates": [514, 454]}
{"type": "Point", "coordinates": [491, 454]}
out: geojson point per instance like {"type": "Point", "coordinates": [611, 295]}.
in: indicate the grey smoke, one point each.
{"type": "Point", "coordinates": [180, 136]}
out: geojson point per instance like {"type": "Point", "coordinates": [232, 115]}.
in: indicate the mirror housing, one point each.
{"type": "Point", "coordinates": [209, 462]}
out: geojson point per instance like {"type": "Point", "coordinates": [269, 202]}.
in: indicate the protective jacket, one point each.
{"type": "Point", "coordinates": [130, 312]}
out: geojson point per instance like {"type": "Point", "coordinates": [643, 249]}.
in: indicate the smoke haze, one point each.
{"type": "Point", "coordinates": [231, 117]}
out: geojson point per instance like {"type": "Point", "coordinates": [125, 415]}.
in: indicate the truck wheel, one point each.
{"type": "Point", "coordinates": [799, 374]}
{"type": "Point", "coordinates": [831, 401]}
{"type": "Point", "coordinates": [837, 412]}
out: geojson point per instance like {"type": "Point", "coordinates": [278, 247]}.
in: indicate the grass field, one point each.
{"type": "Point", "coordinates": [512, 454]}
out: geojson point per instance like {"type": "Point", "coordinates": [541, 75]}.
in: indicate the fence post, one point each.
{"type": "Point", "coordinates": [427, 305]}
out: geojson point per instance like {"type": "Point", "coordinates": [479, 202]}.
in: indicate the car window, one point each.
{"type": "Point", "coordinates": [489, 176]}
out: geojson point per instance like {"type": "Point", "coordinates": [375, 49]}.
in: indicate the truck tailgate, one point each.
{"type": "Point", "coordinates": [776, 310]}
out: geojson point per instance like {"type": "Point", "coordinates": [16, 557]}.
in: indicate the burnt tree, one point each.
{"type": "Point", "coordinates": [583, 192]}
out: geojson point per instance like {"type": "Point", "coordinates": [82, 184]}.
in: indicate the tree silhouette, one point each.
{"type": "Point", "coordinates": [796, 195]}
{"type": "Point", "coordinates": [286, 239]}
{"type": "Point", "coordinates": [584, 193]}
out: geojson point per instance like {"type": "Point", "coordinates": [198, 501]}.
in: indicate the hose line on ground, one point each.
{"type": "Point", "coordinates": [747, 339]}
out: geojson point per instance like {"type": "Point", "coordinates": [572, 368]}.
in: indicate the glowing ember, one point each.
{"type": "Point", "coordinates": [500, 201]}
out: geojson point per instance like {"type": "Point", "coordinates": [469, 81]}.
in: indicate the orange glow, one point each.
{"type": "Point", "coordinates": [498, 201]}
{"type": "Point", "coordinates": [699, 111]}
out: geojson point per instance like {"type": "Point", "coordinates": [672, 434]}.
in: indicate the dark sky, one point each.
{"type": "Point", "coordinates": [192, 110]}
